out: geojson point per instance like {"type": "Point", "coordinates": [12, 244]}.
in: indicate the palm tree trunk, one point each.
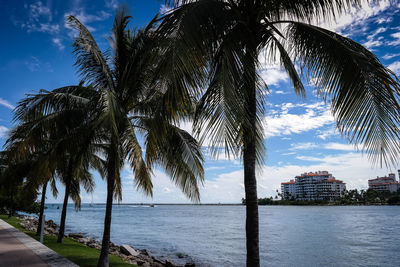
{"type": "Point", "coordinates": [105, 244]}
{"type": "Point", "coordinates": [250, 181]}
{"type": "Point", "coordinates": [41, 208]}
{"type": "Point", "coordinates": [61, 231]}
{"type": "Point", "coordinates": [11, 208]}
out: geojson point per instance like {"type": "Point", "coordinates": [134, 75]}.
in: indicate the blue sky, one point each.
{"type": "Point", "coordinates": [35, 53]}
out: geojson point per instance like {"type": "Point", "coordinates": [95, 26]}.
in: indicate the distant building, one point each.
{"type": "Point", "coordinates": [319, 185]}
{"type": "Point", "coordinates": [288, 190]}
{"type": "Point", "coordinates": [386, 183]}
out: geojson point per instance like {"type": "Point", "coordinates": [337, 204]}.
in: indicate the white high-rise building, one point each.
{"type": "Point", "coordinates": [386, 183]}
{"type": "Point", "coordinates": [288, 190]}
{"type": "Point", "coordinates": [319, 185]}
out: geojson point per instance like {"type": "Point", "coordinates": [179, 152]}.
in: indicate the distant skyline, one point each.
{"type": "Point", "coordinates": [300, 134]}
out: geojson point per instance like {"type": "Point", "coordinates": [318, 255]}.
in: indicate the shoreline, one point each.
{"type": "Point", "coordinates": [218, 204]}
{"type": "Point", "coordinates": [140, 257]}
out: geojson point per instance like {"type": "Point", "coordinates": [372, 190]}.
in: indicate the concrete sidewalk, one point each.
{"type": "Point", "coordinates": [19, 249]}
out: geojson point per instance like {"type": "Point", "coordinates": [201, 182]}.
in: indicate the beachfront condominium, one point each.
{"type": "Point", "coordinates": [386, 183]}
{"type": "Point", "coordinates": [320, 185]}
{"type": "Point", "coordinates": [288, 190]}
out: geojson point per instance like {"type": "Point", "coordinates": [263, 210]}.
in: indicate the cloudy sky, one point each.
{"type": "Point", "coordinates": [300, 134]}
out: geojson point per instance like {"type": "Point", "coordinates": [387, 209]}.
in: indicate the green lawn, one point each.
{"type": "Point", "coordinates": [72, 250]}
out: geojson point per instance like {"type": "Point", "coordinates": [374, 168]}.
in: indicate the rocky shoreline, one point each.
{"type": "Point", "coordinates": [139, 257]}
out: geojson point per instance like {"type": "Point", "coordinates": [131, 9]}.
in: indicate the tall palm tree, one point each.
{"type": "Point", "coordinates": [221, 41]}
{"type": "Point", "coordinates": [63, 155]}
{"type": "Point", "coordinates": [130, 100]}
{"type": "Point", "coordinates": [48, 141]}
{"type": "Point", "coordinates": [121, 97]}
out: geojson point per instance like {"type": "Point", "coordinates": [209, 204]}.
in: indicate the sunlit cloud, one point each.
{"type": "Point", "coordinates": [6, 104]}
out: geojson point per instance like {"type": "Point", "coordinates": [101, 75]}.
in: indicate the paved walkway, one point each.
{"type": "Point", "coordinates": [19, 249]}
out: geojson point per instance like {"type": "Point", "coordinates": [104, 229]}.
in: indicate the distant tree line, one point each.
{"type": "Point", "coordinates": [351, 197]}
{"type": "Point", "coordinates": [370, 196]}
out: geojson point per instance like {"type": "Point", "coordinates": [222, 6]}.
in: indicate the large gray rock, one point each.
{"type": "Point", "coordinates": [169, 263]}
{"type": "Point", "coordinates": [128, 250]}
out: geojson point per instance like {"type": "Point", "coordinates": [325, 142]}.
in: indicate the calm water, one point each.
{"type": "Point", "coordinates": [214, 235]}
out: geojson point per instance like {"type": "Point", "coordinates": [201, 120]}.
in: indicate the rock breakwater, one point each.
{"type": "Point", "coordinates": [140, 257]}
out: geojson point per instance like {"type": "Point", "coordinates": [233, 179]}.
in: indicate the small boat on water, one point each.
{"type": "Point", "coordinates": [151, 205]}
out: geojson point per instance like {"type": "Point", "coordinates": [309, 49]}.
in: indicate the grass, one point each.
{"type": "Point", "coordinates": [71, 249]}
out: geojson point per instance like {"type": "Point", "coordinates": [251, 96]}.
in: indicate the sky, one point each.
{"type": "Point", "coordinates": [300, 134]}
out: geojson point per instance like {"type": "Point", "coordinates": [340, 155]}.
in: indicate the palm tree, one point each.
{"type": "Point", "coordinates": [128, 100]}
{"type": "Point", "coordinates": [46, 141]}
{"type": "Point", "coordinates": [13, 183]}
{"type": "Point", "coordinates": [73, 175]}
{"type": "Point", "coordinates": [62, 154]}
{"type": "Point", "coordinates": [121, 97]}
{"type": "Point", "coordinates": [41, 173]}
{"type": "Point", "coordinates": [219, 41]}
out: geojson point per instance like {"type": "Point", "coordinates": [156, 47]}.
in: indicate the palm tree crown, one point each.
{"type": "Point", "coordinates": [219, 43]}
{"type": "Point", "coordinates": [119, 98]}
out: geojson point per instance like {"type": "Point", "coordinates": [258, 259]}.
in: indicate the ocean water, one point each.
{"type": "Point", "coordinates": [214, 235]}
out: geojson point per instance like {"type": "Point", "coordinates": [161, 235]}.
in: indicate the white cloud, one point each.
{"type": "Point", "coordinates": [376, 32]}
{"type": "Point", "coordinates": [390, 56]}
{"type": "Point", "coordinates": [396, 40]}
{"type": "Point", "coordinates": [279, 92]}
{"type": "Point", "coordinates": [288, 153]}
{"type": "Point", "coordinates": [164, 190]}
{"type": "Point", "coordinates": [85, 18]}
{"type": "Point", "coordinates": [371, 43]}
{"type": "Point", "coordinates": [357, 16]}
{"type": "Point", "coordinates": [329, 146]}
{"type": "Point", "coordinates": [215, 168]}
{"type": "Point", "coordinates": [113, 4]}
{"type": "Point", "coordinates": [58, 43]}
{"type": "Point", "coordinates": [315, 116]}
{"type": "Point", "coordinates": [326, 133]}
{"type": "Point", "coordinates": [384, 20]}
{"type": "Point", "coordinates": [36, 10]}
{"type": "Point", "coordinates": [7, 104]}
{"type": "Point", "coordinates": [372, 40]}
{"type": "Point", "coordinates": [303, 146]}
{"type": "Point", "coordinates": [339, 146]}
{"type": "Point", "coordinates": [273, 74]}
{"type": "Point", "coordinates": [3, 131]}
{"type": "Point", "coordinates": [34, 64]}
{"type": "Point", "coordinates": [395, 67]}
{"type": "Point", "coordinates": [270, 68]}
{"type": "Point", "coordinates": [39, 19]}
{"type": "Point", "coordinates": [80, 13]}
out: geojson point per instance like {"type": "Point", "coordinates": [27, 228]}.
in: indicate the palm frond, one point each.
{"type": "Point", "coordinates": [181, 156]}
{"type": "Point", "coordinates": [306, 10]}
{"type": "Point", "coordinates": [288, 65]}
{"type": "Point", "coordinates": [363, 94]}
{"type": "Point", "coordinates": [133, 150]}
{"type": "Point", "coordinates": [91, 62]}
{"type": "Point", "coordinates": [53, 186]}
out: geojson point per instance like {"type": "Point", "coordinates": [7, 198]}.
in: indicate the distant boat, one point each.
{"type": "Point", "coordinates": [151, 205]}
